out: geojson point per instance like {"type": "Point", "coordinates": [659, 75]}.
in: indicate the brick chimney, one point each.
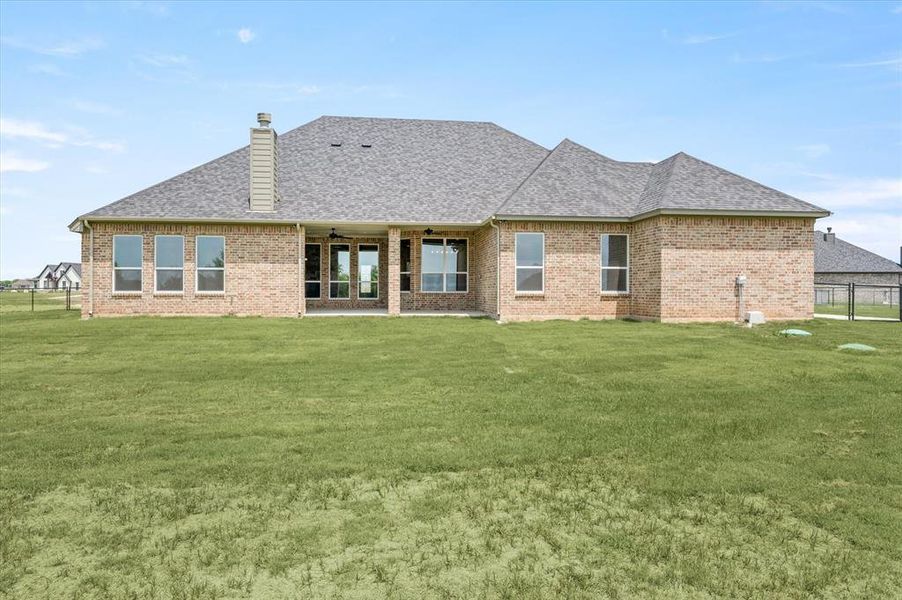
{"type": "Point", "coordinates": [264, 182]}
{"type": "Point", "coordinates": [830, 236]}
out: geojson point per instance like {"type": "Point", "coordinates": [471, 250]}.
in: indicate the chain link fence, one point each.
{"type": "Point", "coordinates": [38, 300]}
{"type": "Point", "coordinates": [857, 301]}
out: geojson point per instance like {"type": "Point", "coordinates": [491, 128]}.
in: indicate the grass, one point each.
{"type": "Point", "coordinates": [884, 311]}
{"type": "Point", "coordinates": [21, 301]}
{"type": "Point", "coordinates": [446, 458]}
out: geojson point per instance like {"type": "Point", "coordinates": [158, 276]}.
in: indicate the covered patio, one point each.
{"type": "Point", "coordinates": [381, 270]}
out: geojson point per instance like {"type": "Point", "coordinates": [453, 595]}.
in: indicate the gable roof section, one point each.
{"type": "Point", "coordinates": [840, 256]}
{"type": "Point", "coordinates": [687, 183]}
{"type": "Point", "coordinates": [414, 171]}
{"type": "Point", "coordinates": [574, 181]}
{"type": "Point", "coordinates": [445, 172]}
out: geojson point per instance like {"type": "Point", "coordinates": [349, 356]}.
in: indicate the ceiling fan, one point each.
{"type": "Point", "coordinates": [336, 236]}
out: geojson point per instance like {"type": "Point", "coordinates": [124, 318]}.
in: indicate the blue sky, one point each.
{"type": "Point", "coordinates": [101, 100]}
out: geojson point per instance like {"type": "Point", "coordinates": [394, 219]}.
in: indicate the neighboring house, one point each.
{"type": "Point", "coordinates": [22, 284]}
{"type": "Point", "coordinates": [837, 261]}
{"type": "Point", "coordinates": [402, 216]}
{"type": "Point", "coordinates": [60, 276]}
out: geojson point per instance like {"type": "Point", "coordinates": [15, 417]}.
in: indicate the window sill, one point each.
{"type": "Point", "coordinates": [158, 293]}
{"type": "Point", "coordinates": [127, 294]}
{"type": "Point", "coordinates": [209, 294]}
{"type": "Point", "coordinates": [528, 294]}
{"type": "Point", "coordinates": [614, 294]}
{"type": "Point", "coordinates": [426, 292]}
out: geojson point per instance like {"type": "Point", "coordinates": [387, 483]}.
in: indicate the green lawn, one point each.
{"type": "Point", "coordinates": [20, 301]}
{"type": "Point", "coordinates": [446, 458]}
{"type": "Point", "coordinates": [884, 311]}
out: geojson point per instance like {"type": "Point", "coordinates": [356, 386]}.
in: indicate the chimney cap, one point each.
{"type": "Point", "coordinates": [829, 229]}
{"type": "Point", "coordinates": [264, 119]}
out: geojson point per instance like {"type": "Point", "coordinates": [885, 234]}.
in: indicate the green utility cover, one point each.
{"type": "Point", "coordinates": [795, 332]}
{"type": "Point", "coordinates": [860, 347]}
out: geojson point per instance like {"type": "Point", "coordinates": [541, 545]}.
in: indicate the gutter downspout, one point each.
{"type": "Point", "coordinates": [301, 306]}
{"type": "Point", "coordinates": [497, 268]}
{"type": "Point", "coordinates": [90, 268]}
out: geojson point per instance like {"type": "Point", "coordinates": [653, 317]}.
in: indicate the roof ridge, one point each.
{"type": "Point", "coordinates": [528, 177]}
{"type": "Point", "coordinates": [665, 182]}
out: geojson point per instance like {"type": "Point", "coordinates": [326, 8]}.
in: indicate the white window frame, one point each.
{"type": "Point", "coordinates": [350, 272]}
{"type": "Point", "coordinates": [410, 273]}
{"type": "Point", "coordinates": [156, 290]}
{"type": "Point", "coordinates": [517, 268]}
{"type": "Point", "coordinates": [602, 268]}
{"type": "Point", "coordinates": [378, 258]}
{"type": "Point", "coordinates": [139, 269]}
{"type": "Point", "coordinates": [198, 269]}
{"type": "Point", "coordinates": [445, 273]}
{"type": "Point", "coordinates": [320, 280]}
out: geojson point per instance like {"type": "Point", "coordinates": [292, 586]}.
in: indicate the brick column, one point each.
{"type": "Point", "coordinates": [394, 270]}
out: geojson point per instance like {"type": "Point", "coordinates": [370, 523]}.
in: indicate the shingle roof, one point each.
{"type": "Point", "coordinates": [840, 256]}
{"type": "Point", "coordinates": [417, 171]}
{"type": "Point", "coordinates": [577, 182]}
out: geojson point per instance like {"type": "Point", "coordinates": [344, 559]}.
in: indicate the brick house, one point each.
{"type": "Point", "coordinates": [395, 216]}
{"type": "Point", "coordinates": [838, 263]}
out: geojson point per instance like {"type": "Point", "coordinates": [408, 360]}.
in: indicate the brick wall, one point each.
{"type": "Point", "coordinates": [261, 272]}
{"type": "Point", "coordinates": [457, 301]}
{"type": "Point", "coordinates": [484, 275]}
{"type": "Point", "coordinates": [572, 273]}
{"type": "Point", "coordinates": [681, 269]}
{"type": "Point", "coordinates": [701, 257]}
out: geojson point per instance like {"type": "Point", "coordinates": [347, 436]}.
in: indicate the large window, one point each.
{"type": "Point", "coordinates": [169, 263]}
{"type": "Point", "coordinates": [368, 271]}
{"type": "Point", "coordinates": [406, 266]}
{"type": "Point", "coordinates": [210, 263]}
{"type": "Point", "coordinates": [530, 266]}
{"type": "Point", "coordinates": [339, 271]}
{"type": "Point", "coordinates": [312, 265]}
{"type": "Point", "coordinates": [444, 265]}
{"type": "Point", "coordinates": [615, 263]}
{"type": "Point", "coordinates": [128, 256]}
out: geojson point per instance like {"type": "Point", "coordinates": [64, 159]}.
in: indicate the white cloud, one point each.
{"type": "Point", "coordinates": [32, 130]}
{"type": "Point", "coordinates": [245, 35]}
{"type": "Point", "coordinates": [813, 150]}
{"type": "Point", "coordinates": [47, 69]}
{"type": "Point", "coordinates": [96, 108]}
{"type": "Point", "coordinates": [10, 163]}
{"type": "Point", "coordinates": [897, 10]}
{"type": "Point", "coordinates": [163, 60]}
{"type": "Point", "coordinates": [68, 49]}
{"type": "Point", "coordinates": [893, 63]}
{"type": "Point", "coordinates": [72, 136]}
{"type": "Point", "coordinates": [705, 38]}
{"type": "Point", "coordinates": [878, 232]}
{"type": "Point", "coordinates": [834, 193]}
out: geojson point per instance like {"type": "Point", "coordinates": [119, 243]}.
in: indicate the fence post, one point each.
{"type": "Point", "coordinates": [900, 301]}
{"type": "Point", "coordinates": [852, 301]}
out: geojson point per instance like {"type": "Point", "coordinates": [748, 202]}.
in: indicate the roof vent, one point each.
{"type": "Point", "coordinates": [335, 144]}
{"type": "Point", "coordinates": [366, 145]}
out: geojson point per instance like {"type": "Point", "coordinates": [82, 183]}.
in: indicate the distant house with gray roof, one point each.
{"type": "Point", "coordinates": [401, 216]}
{"type": "Point", "coordinates": [59, 276]}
